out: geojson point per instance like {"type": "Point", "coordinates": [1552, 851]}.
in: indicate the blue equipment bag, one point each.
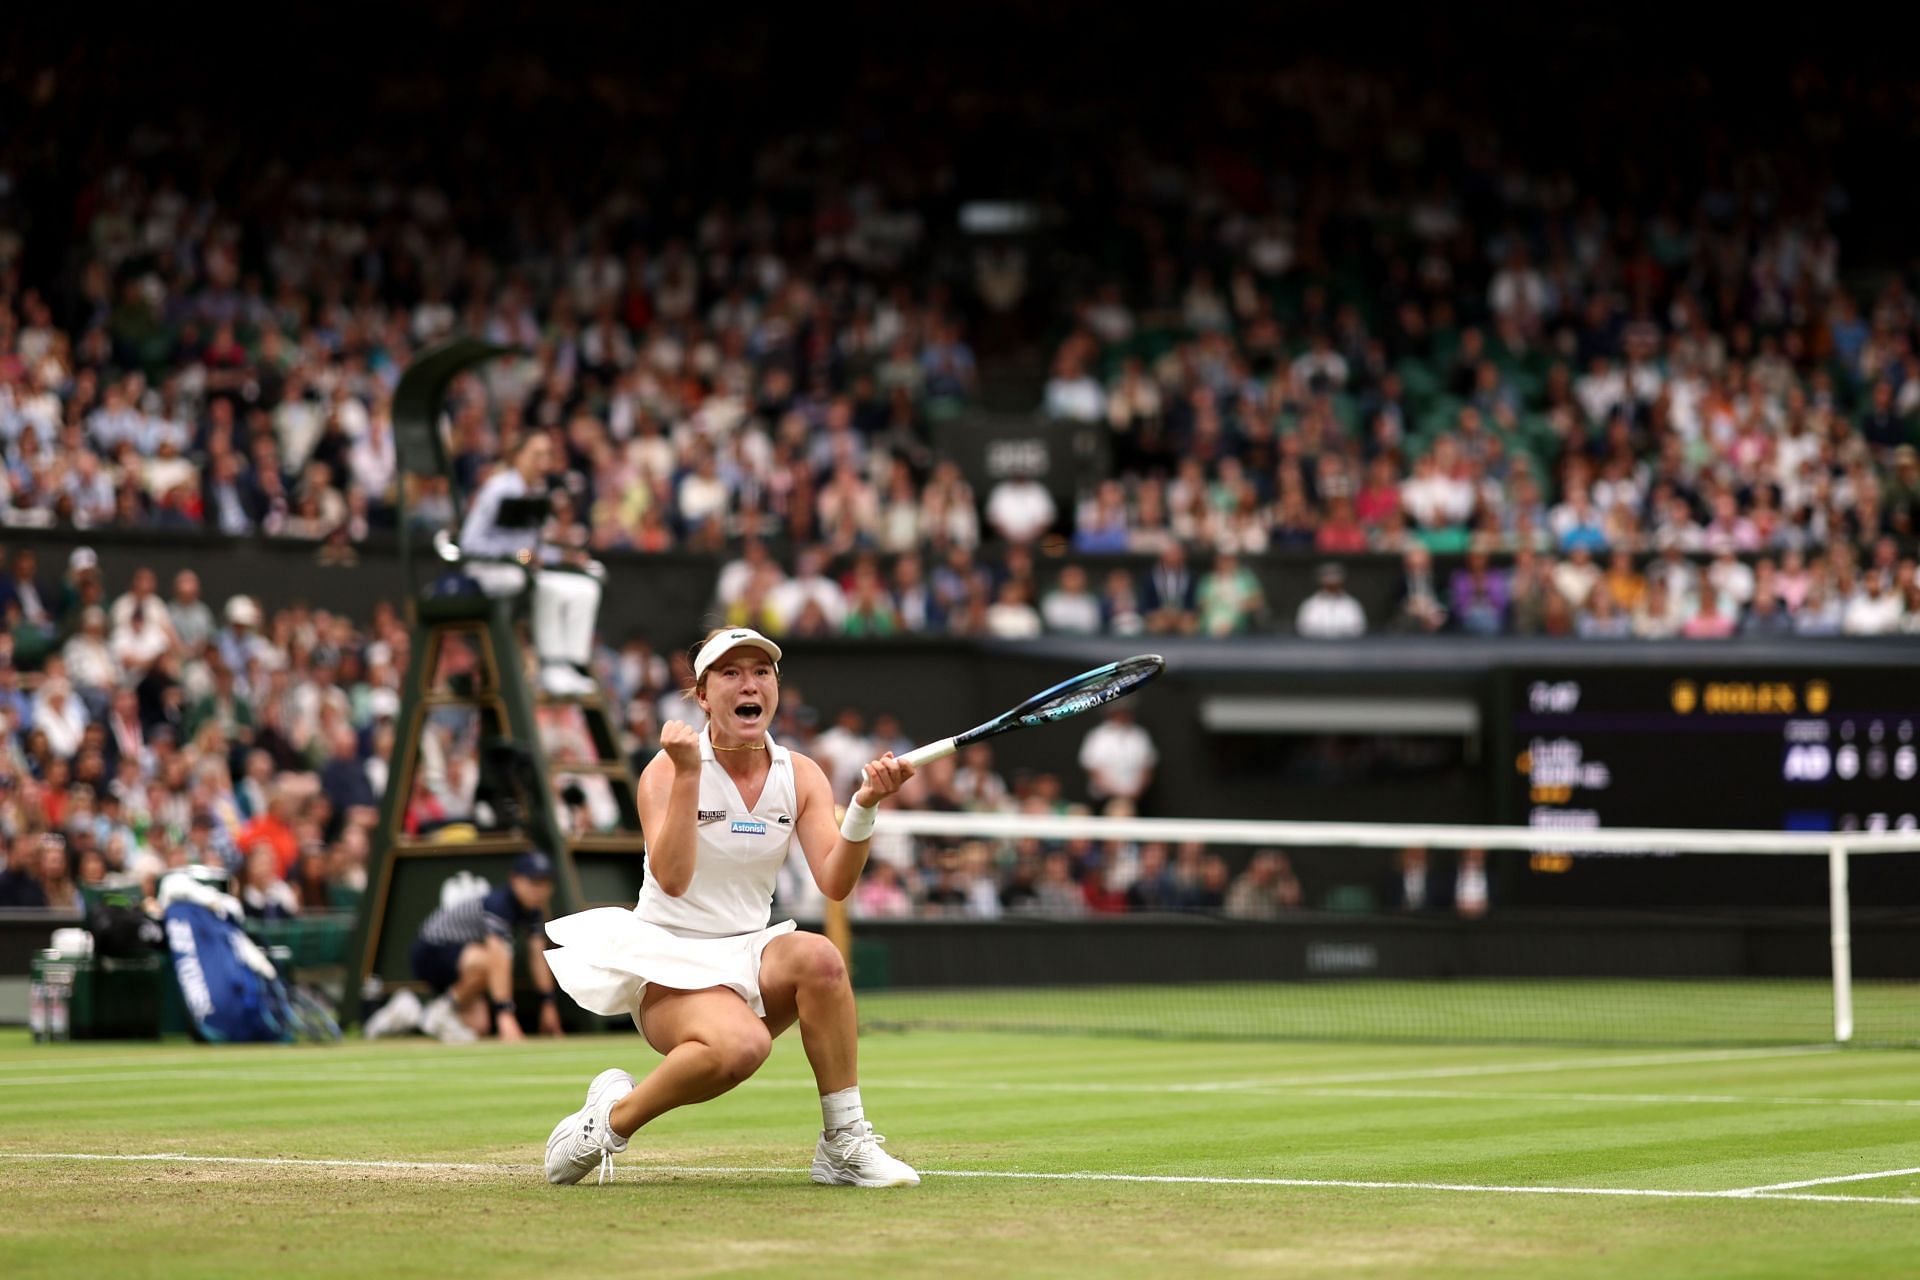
{"type": "Point", "coordinates": [232, 993]}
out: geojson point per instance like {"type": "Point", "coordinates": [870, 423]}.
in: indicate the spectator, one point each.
{"type": "Point", "coordinates": [1874, 610]}
{"type": "Point", "coordinates": [1229, 600]}
{"type": "Point", "coordinates": [1479, 595]}
{"type": "Point", "coordinates": [1102, 524]}
{"type": "Point", "coordinates": [1709, 623]}
{"type": "Point", "coordinates": [755, 566]}
{"type": "Point", "coordinates": [1417, 606]}
{"type": "Point", "coordinates": [263, 892]}
{"type": "Point", "coordinates": [1172, 593]}
{"type": "Point", "coordinates": [1622, 582]}
{"type": "Point", "coordinates": [1576, 577]}
{"type": "Point", "coordinates": [1153, 889]}
{"type": "Point", "coordinates": [89, 660]}
{"type": "Point", "coordinates": [870, 609]}
{"type": "Point", "coordinates": [1602, 619]}
{"type": "Point", "coordinates": [1414, 889]}
{"type": "Point", "coordinates": [975, 783]}
{"type": "Point", "coordinates": [1072, 395]}
{"type": "Point", "coordinates": [808, 586]}
{"type": "Point", "coordinates": [1119, 757]}
{"type": "Point", "coordinates": [273, 829]}
{"type": "Point", "coordinates": [60, 715]}
{"type": "Point", "coordinates": [1265, 890]}
{"type": "Point", "coordinates": [1766, 617]}
{"type": "Point", "coordinates": [881, 895]}
{"type": "Point", "coordinates": [34, 624]}
{"type": "Point", "coordinates": [20, 878]}
{"type": "Point", "coordinates": [1020, 509]}
{"type": "Point", "coordinates": [1122, 612]}
{"type": "Point", "coordinates": [1056, 894]}
{"type": "Point", "coordinates": [57, 885]}
{"type": "Point", "coordinates": [843, 750]}
{"type": "Point", "coordinates": [1470, 893]}
{"type": "Point", "coordinates": [1330, 613]}
{"type": "Point", "coordinates": [1070, 607]}
{"type": "Point", "coordinates": [240, 644]}
{"type": "Point", "coordinates": [1012, 616]}
{"type": "Point", "coordinates": [1821, 613]}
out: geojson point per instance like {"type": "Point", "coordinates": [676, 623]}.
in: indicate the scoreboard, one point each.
{"type": "Point", "coordinates": [1792, 749]}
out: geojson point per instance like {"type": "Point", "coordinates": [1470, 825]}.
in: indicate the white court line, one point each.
{"type": "Point", "coordinates": [1689, 1099]}
{"type": "Point", "coordinates": [1564, 1064]}
{"type": "Point", "coordinates": [432, 1059]}
{"type": "Point", "coordinates": [1277, 1092]}
{"type": "Point", "coordinates": [213, 1074]}
{"type": "Point", "coordinates": [216, 1070]}
{"type": "Point", "coordinates": [1826, 1182]}
{"type": "Point", "coordinates": [1743, 1193]}
{"type": "Point", "coordinates": [377, 1070]}
{"type": "Point", "coordinates": [1682, 1058]}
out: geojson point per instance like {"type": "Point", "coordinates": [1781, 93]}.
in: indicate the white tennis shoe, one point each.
{"type": "Point", "coordinates": [397, 1017]}
{"type": "Point", "coordinates": [586, 1137]}
{"type": "Point", "coordinates": [443, 1022]}
{"type": "Point", "coordinates": [851, 1157]}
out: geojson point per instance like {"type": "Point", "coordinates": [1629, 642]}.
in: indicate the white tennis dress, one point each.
{"type": "Point", "coordinates": [711, 935]}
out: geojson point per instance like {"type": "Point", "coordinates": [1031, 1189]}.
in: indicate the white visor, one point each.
{"type": "Point", "coordinates": [732, 639]}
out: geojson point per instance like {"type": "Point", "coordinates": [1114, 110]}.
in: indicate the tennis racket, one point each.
{"type": "Point", "coordinates": [1065, 700]}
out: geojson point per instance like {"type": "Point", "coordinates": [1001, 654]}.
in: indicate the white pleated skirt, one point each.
{"type": "Point", "coordinates": [607, 957]}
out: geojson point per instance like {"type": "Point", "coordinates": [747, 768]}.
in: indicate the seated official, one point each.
{"type": "Point", "coordinates": [565, 603]}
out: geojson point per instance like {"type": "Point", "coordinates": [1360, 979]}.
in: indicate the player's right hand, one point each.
{"type": "Point", "coordinates": [681, 742]}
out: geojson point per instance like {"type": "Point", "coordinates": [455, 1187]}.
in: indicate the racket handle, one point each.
{"type": "Point", "coordinates": [932, 751]}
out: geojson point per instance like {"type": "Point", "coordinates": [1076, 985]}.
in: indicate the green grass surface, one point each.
{"type": "Point", "coordinates": [1567, 1010]}
{"type": "Point", "coordinates": [1640, 1120]}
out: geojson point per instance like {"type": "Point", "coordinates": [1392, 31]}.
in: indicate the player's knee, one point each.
{"type": "Point", "coordinates": [738, 1054]}
{"type": "Point", "coordinates": [821, 967]}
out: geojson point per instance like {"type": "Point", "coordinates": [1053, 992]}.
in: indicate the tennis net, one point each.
{"type": "Point", "coordinates": [1228, 929]}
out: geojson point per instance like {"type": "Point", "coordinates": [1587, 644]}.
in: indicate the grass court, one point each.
{"type": "Point", "coordinates": [1041, 1155]}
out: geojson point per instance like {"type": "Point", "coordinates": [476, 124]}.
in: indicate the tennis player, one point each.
{"type": "Point", "coordinates": [705, 979]}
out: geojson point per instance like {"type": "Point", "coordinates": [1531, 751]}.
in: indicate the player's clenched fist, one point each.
{"type": "Point", "coordinates": [681, 742]}
{"type": "Point", "coordinates": [883, 777]}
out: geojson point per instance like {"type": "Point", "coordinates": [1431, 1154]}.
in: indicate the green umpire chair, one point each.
{"type": "Point", "coordinates": [469, 680]}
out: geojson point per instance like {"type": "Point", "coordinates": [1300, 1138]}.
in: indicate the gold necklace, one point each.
{"type": "Point", "coordinates": [745, 746]}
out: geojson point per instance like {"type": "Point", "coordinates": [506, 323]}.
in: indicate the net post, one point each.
{"type": "Point", "coordinates": [1840, 913]}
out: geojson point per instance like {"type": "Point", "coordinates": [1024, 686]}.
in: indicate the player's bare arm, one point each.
{"type": "Point", "coordinates": [669, 799]}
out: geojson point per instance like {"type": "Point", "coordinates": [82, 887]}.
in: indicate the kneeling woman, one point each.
{"type": "Point", "coordinates": [705, 980]}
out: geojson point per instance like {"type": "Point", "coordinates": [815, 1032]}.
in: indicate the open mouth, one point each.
{"type": "Point", "coordinates": [749, 712]}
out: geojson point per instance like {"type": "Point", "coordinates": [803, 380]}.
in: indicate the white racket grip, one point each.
{"type": "Point", "coordinates": [932, 751]}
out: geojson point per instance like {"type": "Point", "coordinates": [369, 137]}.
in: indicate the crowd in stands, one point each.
{"type": "Point", "coordinates": [142, 731]}
{"type": "Point", "coordinates": [152, 731]}
{"type": "Point", "coordinates": [1412, 356]}
{"type": "Point", "coordinates": [1493, 361]}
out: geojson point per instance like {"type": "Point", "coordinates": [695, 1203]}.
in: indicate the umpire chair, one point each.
{"type": "Point", "coordinates": [469, 665]}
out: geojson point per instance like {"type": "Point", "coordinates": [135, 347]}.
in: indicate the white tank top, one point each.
{"type": "Point", "coordinates": [738, 853]}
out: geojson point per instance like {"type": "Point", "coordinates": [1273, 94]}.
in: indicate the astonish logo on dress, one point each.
{"type": "Point", "coordinates": [749, 827]}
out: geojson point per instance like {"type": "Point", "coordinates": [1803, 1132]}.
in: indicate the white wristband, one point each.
{"type": "Point", "coordinates": [858, 824]}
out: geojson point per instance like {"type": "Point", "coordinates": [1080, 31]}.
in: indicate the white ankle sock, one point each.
{"type": "Point", "coordinates": [841, 1108]}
